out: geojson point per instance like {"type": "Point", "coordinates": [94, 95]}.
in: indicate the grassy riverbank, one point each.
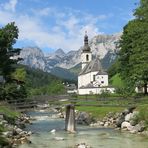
{"type": "Point", "coordinates": [112, 105]}
{"type": "Point", "coordinates": [10, 114]}
{"type": "Point", "coordinates": [99, 112]}
{"type": "Point", "coordinates": [8, 111]}
{"type": "Point", "coordinates": [100, 106]}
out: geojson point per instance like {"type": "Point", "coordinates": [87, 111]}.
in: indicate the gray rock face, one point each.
{"type": "Point", "coordinates": [33, 57]}
{"type": "Point", "coordinates": [103, 46]}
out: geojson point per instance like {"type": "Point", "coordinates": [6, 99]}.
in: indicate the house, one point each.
{"type": "Point", "coordinates": [92, 79]}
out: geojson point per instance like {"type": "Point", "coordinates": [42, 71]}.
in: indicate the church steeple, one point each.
{"type": "Point", "coordinates": [86, 47]}
{"type": "Point", "coordinates": [86, 55]}
{"type": "Point", "coordinates": [85, 39]}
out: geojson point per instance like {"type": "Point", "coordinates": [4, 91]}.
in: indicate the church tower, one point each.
{"type": "Point", "coordinates": [86, 55]}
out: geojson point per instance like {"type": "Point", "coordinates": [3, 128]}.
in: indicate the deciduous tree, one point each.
{"type": "Point", "coordinates": [133, 56]}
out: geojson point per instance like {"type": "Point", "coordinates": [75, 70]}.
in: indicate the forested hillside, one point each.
{"type": "Point", "coordinates": [38, 82]}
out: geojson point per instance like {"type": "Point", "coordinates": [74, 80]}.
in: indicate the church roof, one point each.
{"type": "Point", "coordinates": [94, 65]}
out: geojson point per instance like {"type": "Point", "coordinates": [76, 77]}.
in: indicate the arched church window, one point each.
{"type": "Point", "coordinates": [94, 77]}
{"type": "Point", "coordinates": [87, 57]}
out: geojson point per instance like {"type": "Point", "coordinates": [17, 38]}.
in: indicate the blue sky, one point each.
{"type": "Point", "coordinates": [53, 24]}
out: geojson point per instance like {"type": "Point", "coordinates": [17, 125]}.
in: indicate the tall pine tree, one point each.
{"type": "Point", "coordinates": [8, 37]}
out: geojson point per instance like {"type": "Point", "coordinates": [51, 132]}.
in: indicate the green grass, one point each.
{"type": "Point", "coordinates": [116, 81]}
{"type": "Point", "coordinates": [3, 142]}
{"type": "Point", "coordinates": [76, 69]}
{"type": "Point", "coordinates": [99, 112]}
{"type": "Point", "coordinates": [8, 111]}
{"type": "Point", "coordinates": [105, 105]}
{"type": "Point", "coordinates": [2, 129]}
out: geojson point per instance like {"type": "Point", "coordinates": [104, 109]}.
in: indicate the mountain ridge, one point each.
{"type": "Point", "coordinates": [104, 46]}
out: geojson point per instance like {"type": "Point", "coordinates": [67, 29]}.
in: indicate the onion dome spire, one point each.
{"type": "Point", "coordinates": [86, 47]}
{"type": "Point", "coordinates": [86, 38]}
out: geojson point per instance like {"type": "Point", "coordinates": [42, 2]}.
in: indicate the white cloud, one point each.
{"type": "Point", "coordinates": [11, 5]}
{"type": "Point", "coordinates": [67, 32]}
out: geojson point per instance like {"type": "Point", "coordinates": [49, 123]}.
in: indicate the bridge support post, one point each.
{"type": "Point", "coordinates": [70, 118]}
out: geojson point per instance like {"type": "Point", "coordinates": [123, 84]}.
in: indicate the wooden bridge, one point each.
{"type": "Point", "coordinates": [64, 99]}
{"type": "Point", "coordinates": [31, 103]}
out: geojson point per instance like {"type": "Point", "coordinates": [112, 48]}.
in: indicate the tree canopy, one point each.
{"type": "Point", "coordinates": [133, 56]}
{"type": "Point", "coordinates": [8, 37]}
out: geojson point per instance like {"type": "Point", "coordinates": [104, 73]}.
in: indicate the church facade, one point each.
{"type": "Point", "coordinates": [92, 79]}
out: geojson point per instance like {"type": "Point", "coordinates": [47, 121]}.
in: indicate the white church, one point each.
{"type": "Point", "coordinates": [92, 79]}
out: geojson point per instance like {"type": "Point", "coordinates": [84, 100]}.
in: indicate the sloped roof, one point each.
{"type": "Point", "coordinates": [94, 65]}
{"type": "Point", "coordinates": [102, 73]}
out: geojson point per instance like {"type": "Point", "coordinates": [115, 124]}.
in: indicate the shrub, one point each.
{"type": "Point", "coordinates": [142, 116]}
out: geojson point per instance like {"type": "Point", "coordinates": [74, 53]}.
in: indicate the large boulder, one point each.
{"type": "Point", "coordinates": [84, 118]}
{"type": "Point", "coordinates": [120, 120]}
{"type": "Point", "coordinates": [125, 124]}
{"type": "Point", "coordinates": [129, 116]}
{"type": "Point", "coordinates": [139, 127]}
{"type": "Point", "coordinates": [133, 121]}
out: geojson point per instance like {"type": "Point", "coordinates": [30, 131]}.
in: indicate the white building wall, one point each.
{"type": "Point", "coordinates": [86, 79]}
{"type": "Point", "coordinates": [84, 59]}
{"type": "Point", "coordinates": [140, 90]}
{"type": "Point", "coordinates": [99, 90]}
{"type": "Point", "coordinates": [102, 80]}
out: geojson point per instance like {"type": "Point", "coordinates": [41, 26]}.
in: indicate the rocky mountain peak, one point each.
{"type": "Point", "coordinates": [59, 52]}
{"type": "Point", "coordinates": [33, 57]}
{"type": "Point", "coordinates": [32, 51]}
{"type": "Point", "coordinates": [102, 45]}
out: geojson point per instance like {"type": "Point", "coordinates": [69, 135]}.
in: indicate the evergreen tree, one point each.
{"type": "Point", "coordinates": [133, 56]}
{"type": "Point", "coordinates": [8, 37]}
{"type": "Point", "coordinates": [14, 87]}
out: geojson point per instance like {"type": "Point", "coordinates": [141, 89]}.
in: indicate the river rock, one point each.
{"type": "Point", "coordinates": [139, 127]}
{"type": "Point", "coordinates": [18, 130]}
{"type": "Point", "coordinates": [3, 122]}
{"type": "Point", "coordinates": [101, 123]}
{"type": "Point", "coordinates": [129, 116]}
{"type": "Point", "coordinates": [82, 145]}
{"type": "Point", "coordinates": [60, 115]}
{"type": "Point", "coordinates": [125, 124]}
{"type": "Point", "coordinates": [125, 112]}
{"type": "Point", "coordinates": [106, 124]}
{"type": "Point", "coordinates": [58, 138]}
{"type": "Point", "coordinates": [7, 134]}
{"type": "Point", "coordinates": [84, 118]}
{"type": "Point", "coordinates": [1, 116]}
{"type": "Point", "coordinates": [29, 133]}
{"type": "Point", "coordinates": [133, 120]}
{"type": "Point", "coordinates": [53, 131]}
{"type": "Point", "coordinates": [120, 120]}
{"type": "Point", "coordinates": [145, 133]}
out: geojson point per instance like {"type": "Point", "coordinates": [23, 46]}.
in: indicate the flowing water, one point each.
{"type": "Point", "coordinates": [94, 137]}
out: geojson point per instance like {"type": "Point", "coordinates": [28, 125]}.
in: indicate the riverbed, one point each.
{"type": "Point", "coordinates": [94, 137]}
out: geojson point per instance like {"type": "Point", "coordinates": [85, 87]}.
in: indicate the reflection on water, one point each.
{"type": "Point", "coordinates": [95, 137]}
